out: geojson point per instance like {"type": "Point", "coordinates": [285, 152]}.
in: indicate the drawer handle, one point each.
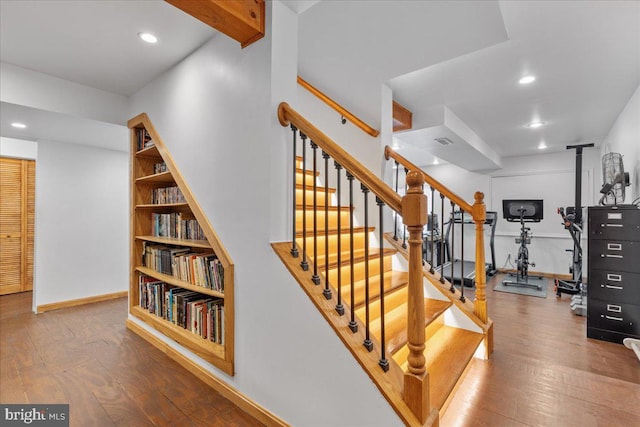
{"type": "Point", "coordinates": [614, 308]}
{"type": "Point", "coordinates": [612, 256]}
{"type": "Point", "coordinates": [612, 287]}
{"type": "Point", "coordinates": [619, 319]}
{"type": "Point", "coordinates": [614, 246]}
{"type": "Point", "coordinates": [614, 277]}
{"type": "Point", "coordinates": [613, 225]}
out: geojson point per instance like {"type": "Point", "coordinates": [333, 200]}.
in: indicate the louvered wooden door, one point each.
{"type": "Point", "coordinates": [17, 215]}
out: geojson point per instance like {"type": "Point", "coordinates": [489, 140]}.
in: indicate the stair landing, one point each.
{"type": "Point", "coordinates": [447, 353]}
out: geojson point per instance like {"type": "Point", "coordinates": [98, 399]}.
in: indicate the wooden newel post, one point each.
{"type": "Point", "coordinates": [416, 379]}
{"type": "Point", "coordinates": [479, 216]}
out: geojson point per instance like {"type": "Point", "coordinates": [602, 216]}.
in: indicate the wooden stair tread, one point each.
{"type": "Point", "coordinates": [334, 230]}
{"type": "Point", "coordinates": [396, 322]}
{"type": "Point", "coordinates": [300, 207]}
{"type": "Point", "coordinates": [319, 188]}
{"type": "Point", "coordinates": [447, 355]}
{"type": "Point", "coordinates": [344, 257]}
{"type": "Point", "coordinates": [358, 257]}
{"type": "Point", "coordinates": [307, 172]}
{"type": "Point", "coordinates": [393, 280]}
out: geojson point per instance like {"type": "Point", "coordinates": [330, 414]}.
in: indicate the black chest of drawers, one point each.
{"type": "Point", "coordinates": [613, 305]}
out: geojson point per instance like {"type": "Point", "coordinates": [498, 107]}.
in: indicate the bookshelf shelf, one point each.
{"type": "Point", "coordinates": [208, 350]}
{"type": "Point", "coordinates": [158, 178]}
{"type": "Point", "coordinates": [151, 152]}
{"type": "Point", "coordinates": [154, 177]}
{"type": "Point", "coordinates": [163, 205]}
{"type": "Point", "coordinates": [176, 242]}
{"type": "Point", "coordinates": [177, 282]}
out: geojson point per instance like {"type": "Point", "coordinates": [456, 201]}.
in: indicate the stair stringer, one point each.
{"type": "Point", "coordinates": [389, 383]}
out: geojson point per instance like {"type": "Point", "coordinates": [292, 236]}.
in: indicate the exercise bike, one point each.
{"type": "Point", "coordinates": [523, 211]}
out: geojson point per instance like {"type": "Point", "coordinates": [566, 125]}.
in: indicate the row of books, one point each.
{"type": "Point", "coordinates": [143, 139]}
{"type": "Point", "coordinates": [200, 314]}
{"type": "Point", "coordinates": [199, 269]}
{"type": "Point", "coordinates": [174, 226]}
{"type": "Point", "coordinates": [167, 195]}
{"type": "Point", "coordinates": [160, 167]}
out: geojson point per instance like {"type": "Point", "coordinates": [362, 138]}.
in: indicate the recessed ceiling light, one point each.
{"type": "Point", "coordinates": [148, 37]}
{"type": "Point", "coordinates": [534, 125]}
{"type": "Point", "coordinates": [436, 162]}
{"type": "Point", "coordinates": [526, 80]}
{"type": "Point", "coordinates": [542, 145]}
{"type": "Point", "coordinates": [18, 125]}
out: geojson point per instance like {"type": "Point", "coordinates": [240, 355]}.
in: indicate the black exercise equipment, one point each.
{"type": "Point", "coordinates": [453, 267]}
{"type": "Point", "coordinates": [573, 286]}
{"type": "Point", "coordinates": [431, 241]}
{"type": "Point", "coordinates": [524, 211]}
{"type": "Point", "coordinates": [572, 221]}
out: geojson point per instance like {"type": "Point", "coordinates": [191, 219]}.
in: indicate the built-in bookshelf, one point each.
{"type": "Point", "coordinates": [181, 277]}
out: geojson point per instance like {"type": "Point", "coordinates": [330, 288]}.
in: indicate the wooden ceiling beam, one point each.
{"type": "Point", "coordinates": [242, 20]}
{"type": "Point", "coordinates": [402, 118]}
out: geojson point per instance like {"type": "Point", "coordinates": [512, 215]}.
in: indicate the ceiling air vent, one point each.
{"type": "Point", "coordinates": [443, 141]}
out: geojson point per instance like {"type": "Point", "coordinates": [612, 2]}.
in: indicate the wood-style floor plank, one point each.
{"type": "Point", "coordinates": [545, 371]}
{"type": "Point", "coordinates": [85, 356]}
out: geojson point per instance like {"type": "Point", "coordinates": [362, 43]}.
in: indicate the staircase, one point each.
{"type": "Point", "coordinates": [353, 273]}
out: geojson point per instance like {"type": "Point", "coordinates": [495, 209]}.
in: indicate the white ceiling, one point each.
{"type": "Point", "coordinates": [586, 56]}
{"type": "Point", "coordinates": [50, 126]}
{"type": "Point", "coordinates": [299, 6]}
{"type": "Point", "coordinates": [95, 43]}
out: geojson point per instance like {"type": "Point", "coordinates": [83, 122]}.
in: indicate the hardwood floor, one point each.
{"type": "Point", "coordinates": [545, 372]}
{"type": "Point", "coordinates": [85, 356]}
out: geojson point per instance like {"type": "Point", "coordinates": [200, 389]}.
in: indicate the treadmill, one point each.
{"type": "Point", "coordinates": [453, 268]}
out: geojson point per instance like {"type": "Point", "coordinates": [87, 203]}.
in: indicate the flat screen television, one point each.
{"type": "Point", "coordinates": [528, 210]}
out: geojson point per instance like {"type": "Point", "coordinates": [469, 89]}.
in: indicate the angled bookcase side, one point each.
{"type": "Point", "coordinates": [181, 276]}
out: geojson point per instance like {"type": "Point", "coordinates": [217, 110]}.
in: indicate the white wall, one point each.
{"type": "Point", "coordinates": [82, 222]}
{"type": "Point", "coordinates": [216, 113]}
{"type": "Point", "coordinates": [18, 148]}
{"type": "Point", "coordinates": [624, 138]}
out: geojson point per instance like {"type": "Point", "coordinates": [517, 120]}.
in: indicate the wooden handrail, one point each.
{"type": "Point", "coordinates": [339, 108]}
{"type": "Point", "coordinates": [390, 153]}
{"type": "Point", "coordinates": [288, 115]}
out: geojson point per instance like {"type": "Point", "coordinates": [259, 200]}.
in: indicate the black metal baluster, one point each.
{"type": "Point", "coordinates": [384, 363]}
{"type": "Point", "coordinates": [294, 247]}
{"type": "Point", "coordinates": [367, 341]}
{"type": "Point", "coordinates": [395, 214]}
{"type": "Point", "coordinates": [462, 258]}
{"type": "Point", "coordinates": [326, 292]}
{"type": "Point", "coordinates": [315, 278]}
{"type": "Point", "coordinates": [353, 325]}
{"type": "Point", "coordinates": [339, 306]}
{"type": "Point", "coordinates": [433, 224]}
{"type": "Point", "coordinates": [453, 246]}
{"type": "Point", "coordinates": [404, 232]}
{"type": "Point", "coordinates": [442, 260]}
{"type": "Point", "coordinates": [304, 263]}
